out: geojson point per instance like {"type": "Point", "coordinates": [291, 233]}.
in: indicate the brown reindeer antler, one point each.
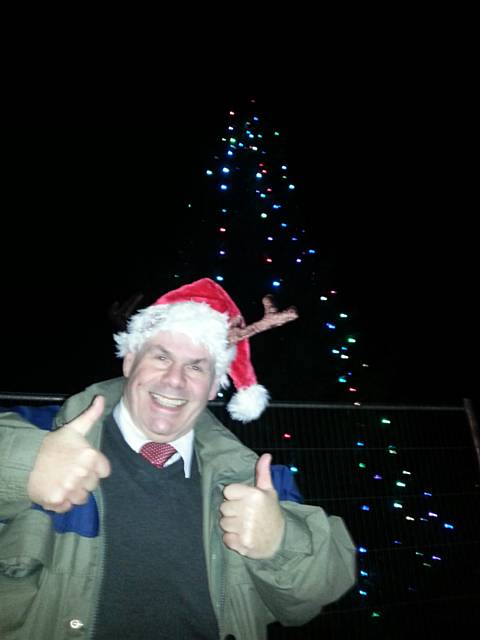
{"type": "Point", "coordinates": [272, 318]}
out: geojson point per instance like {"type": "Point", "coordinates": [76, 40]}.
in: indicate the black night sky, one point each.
{"type": "Point", "coordinates": [94, 214]}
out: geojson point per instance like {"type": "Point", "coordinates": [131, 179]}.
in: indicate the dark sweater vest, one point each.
{"type": "Point", "coordinates": [155, 581]}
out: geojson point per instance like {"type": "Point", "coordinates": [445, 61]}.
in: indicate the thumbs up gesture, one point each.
{"type": "Point", "coordinates": [252, 520]}
{"type": "Point", "coordinates": [67, 467]}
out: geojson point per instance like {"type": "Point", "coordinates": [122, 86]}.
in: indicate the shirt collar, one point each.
{"type": "Point", "coordinates": [136, 438]}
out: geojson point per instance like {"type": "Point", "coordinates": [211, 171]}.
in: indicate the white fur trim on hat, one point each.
{"type": "Point", "coordinates": [197, 320]}
{"type": "Point", "coordinates": [248, 403]}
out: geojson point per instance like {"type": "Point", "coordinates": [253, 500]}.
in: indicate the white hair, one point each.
{"type": "Point", "coordinates": [197, 320]}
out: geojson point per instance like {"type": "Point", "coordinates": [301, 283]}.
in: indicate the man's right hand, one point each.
{"type": "Point", "coordinates": [67, 467]}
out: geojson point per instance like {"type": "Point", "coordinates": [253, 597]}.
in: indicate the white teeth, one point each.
{"type": "Point", "coordinates": [168, 402]}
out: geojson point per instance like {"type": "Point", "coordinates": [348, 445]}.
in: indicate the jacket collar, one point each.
{"type": "Point", "coordinates": [220, 454]}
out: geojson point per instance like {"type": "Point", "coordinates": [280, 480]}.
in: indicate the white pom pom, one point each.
{"type": "Point", "coordinates": [248, 403]}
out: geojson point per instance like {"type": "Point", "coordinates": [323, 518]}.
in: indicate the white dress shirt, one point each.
{"type": "Point", "coordinates": [136, 438]}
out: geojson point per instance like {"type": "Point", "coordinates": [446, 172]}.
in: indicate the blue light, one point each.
{"type": "Point", "coordinates": [209, 172]}
{"type": "Point", "coordinates": [298, 260]}
{"type": "Point", "coordinates": [219, 278]}
{"type": "Point", "coordinates": [223, 187]}
{"type": "Point", "coordinates": [294, 469]}
{"type": "Point", "coordinates": [222, 253]}
{"type": "Point", "coordinates": [276, 283]}
{"type": "Point", "coordinates": [270, 238]}
{"type": "Point", "coordinates": [365, 507]}
{"type": "Point", "coordinates": [448, 526]}
{"type": "Point", "coordinates": [311, 251]}
{"type": "Point", "coordinates": [284, 167]}
{"type": "Point", "coordinates": [329, 325]}
{"type": "Point", "coordinates": [294, 238]}
{"type": "Point", "coordinates": [361, 550]}
{"type": "Point", "coordinates": [276, 206]}
{"type": "Point", "coordinates": [258, 175]}
{"type": "Point", "coordinates": [225, 170]}
{"type": "Point", "coordinates": [291, 186]}
{"type": "Point", "coordinates": [229, 153]}
{"type": "Point", "coordinates": [283, 224]}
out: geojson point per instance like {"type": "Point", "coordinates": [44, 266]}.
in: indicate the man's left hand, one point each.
{"type": "Point", "coordinates": [252, 520]}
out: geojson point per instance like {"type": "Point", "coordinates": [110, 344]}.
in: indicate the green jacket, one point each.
{"type": "Point", "coordinates": [50, 582]}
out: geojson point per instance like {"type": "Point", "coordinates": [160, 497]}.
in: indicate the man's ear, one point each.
{"type": "Point", "coordinates": [127, 363]}
{"type": "Point", "coordinates": [214, 389]}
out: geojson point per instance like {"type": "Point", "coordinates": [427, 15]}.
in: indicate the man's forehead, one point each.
{"type": "Point", "coordinates": [175, 342]}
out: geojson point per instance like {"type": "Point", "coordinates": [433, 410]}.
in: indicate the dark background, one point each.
{"type": "Point", "coordinates": [382, 159]}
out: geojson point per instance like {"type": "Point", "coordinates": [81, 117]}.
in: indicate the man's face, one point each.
{"type": "Point", "coordinates": [169, 382]}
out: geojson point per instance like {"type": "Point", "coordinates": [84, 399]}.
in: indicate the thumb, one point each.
{"type": "Point", "coordinates": [263, 474]}
{"type": "Point", "coordinates": [84, 422]}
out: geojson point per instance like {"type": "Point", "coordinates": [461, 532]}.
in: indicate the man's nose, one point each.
{"type": "Point", "coordinates": [175, 375]}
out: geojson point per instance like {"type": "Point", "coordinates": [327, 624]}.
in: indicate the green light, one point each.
{"type": "Point", "coordinates": [362, 465]}
{"type": "Point", "coordinates": [386, 421]}
{"type": "Point", "coordinates": [351, 340]}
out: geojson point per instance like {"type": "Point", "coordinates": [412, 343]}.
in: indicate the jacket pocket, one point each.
{"type": "Point", "coordinates": [25, 551]}
{"type": "Point", "coordinates": [17, 595]}
{"type": "Point", "coordinates": [247, 616]}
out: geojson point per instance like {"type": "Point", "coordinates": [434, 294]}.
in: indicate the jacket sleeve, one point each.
{"type": "Point", "coordinates": [19, 445]}
{"type": "Point", "coordinates": [315, 565]}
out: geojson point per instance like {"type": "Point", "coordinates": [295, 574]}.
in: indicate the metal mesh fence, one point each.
{"type": "Point", "coordinates": [405, 480]}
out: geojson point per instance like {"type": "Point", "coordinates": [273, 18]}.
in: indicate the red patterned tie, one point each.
{"type": "Point", "coordinates": [157, 452]}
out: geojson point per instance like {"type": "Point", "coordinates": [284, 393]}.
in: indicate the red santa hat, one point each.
{"type": "Point", "coordinates": [204, 312]}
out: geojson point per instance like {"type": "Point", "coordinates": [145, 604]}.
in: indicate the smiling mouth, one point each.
{"type": "Point", "coordinates": [166, 401]}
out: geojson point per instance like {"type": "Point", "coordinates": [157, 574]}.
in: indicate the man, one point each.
{"type": "Point", "coordinates": [187, 539]}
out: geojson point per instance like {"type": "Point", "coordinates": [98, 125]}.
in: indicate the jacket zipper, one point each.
{"type": "Point", "coordinates": [218, 558]}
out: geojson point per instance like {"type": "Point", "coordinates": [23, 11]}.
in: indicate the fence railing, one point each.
{"type": "Point", "coordinates": [406, 481]}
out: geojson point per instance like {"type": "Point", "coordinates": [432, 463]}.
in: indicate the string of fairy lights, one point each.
{"type": "Point", "coordinates": [249, 161]}
{"type": "Point", "coordinates": [251, 149]}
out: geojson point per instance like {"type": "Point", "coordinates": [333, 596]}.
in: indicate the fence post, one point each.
{"type": "Point", "coordinates": [473, 424]}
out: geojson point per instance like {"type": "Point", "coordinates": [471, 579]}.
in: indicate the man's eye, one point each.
{"type": "Point", "coordinates": [196, 367]}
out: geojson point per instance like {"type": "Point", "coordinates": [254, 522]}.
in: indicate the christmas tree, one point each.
{"type": "Point", "coordinates": [253, 237]}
